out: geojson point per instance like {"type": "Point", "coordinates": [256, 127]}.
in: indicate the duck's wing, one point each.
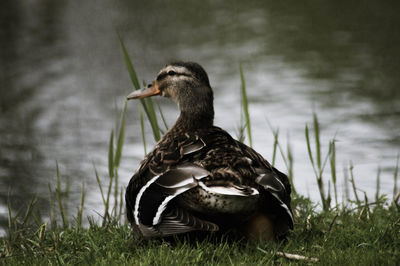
{"type": "Point", "coordinates": [278, 180]}
{"type": "Point", "coordinates": [230, 160]}
{"type": "Point", "coordinates": [276, 187]}
{"type": "Point", "coordinates": [177, 164]}
{"type": "Point", "coordinates": [177, 221]}
{"type": "Point", "coordinates": [147, 205]}
{"type": "Point", "coordinates": [169, 154]}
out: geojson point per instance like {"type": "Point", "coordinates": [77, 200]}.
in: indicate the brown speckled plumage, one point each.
{"type": "Point", "coordinates": [230, 167]}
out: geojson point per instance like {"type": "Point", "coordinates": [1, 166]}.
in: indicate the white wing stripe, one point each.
{"type": "Point", "coordinates": [139, 196]}
{"type": "Point", "coordinates": [161, 208]}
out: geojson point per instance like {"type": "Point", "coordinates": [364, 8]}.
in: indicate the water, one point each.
{"type": "Point", "coordinates": [63, 80]}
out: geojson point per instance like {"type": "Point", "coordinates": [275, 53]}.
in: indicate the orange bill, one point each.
{"type": "Point", "coordinates": [146, 92]}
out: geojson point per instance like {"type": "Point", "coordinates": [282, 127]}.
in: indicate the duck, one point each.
{"type": "Point", "coordinates": [198, 177]}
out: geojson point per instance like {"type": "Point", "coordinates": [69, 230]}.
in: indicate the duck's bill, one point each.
{"type": "Point", "coordinates": [146, 92]}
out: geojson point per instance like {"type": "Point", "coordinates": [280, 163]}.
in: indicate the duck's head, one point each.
{"type": "Point", "coordinates": [188, 85]}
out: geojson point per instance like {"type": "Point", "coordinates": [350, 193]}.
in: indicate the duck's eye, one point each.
{"type": "Point", "coordinates": [171, 73]}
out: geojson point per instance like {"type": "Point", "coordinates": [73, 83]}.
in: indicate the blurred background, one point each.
{"type": "Point", "coordinates": [64, 80]}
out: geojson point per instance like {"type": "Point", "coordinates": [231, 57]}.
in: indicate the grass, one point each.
{"type": "Point", "coordinates": [359, 236]}
{"type": "Point", "coordinates": [353, 232]}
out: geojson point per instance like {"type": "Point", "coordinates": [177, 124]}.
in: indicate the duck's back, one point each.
{"type": "Point", "coordinates": [192, 177]}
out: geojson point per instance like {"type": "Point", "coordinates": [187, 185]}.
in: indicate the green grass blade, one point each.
{"type": "Point", "coordinates": [378, 184]}
{"type": "Point", "coordinates": [242, 124]}
{"type": "Point", "coordinates": [275, 133]}
{"type": "Point", "coordinates": [309, 145]}
{"type": "Point", "coordinates": [276, 137]}
{"type": "Point", "coordinates": [53, 221]}
{"type": "Point", "coordinates": [121, 205]}
{"type": "Point", "coordinates": [37, 218]}
{"type": "Point", "coordinates": [309, 150]}
{"type": "Point", "coordinates": [332, 159]}
{"type": "Point", "coordinates": [328, 198]}
{"type": "Point", "coordinates": [285, 160]}
{"type": "Point", "coordinates": [245, 104]}
{"type": "Point", "coordinates": [240, 132]}
{"type": "Point", "coordinates": [142, 129]}
{"type": "Point", "coordinates": [353, 184]}
{"type": "Point", "coordinates": [148, 106]}
{"type": "Point", "coordinates": [81, 206]}
{"type": "Point", "coordinates": [121, 136]}
{"type": "Point", "coordinates": [147, 102]}
{"type": "Point", "coordinates": [99, 183]}
{"type": "Point", "coordinates": [9, 213]}
{"type": "Point", "coordinates": [111, 155]}
{"type": "Point", "coordinates": [29, 210]}
{"type": "Point", "coordinates": [117, 160]}
{"type": "Point", "coordinates": [116, 187]}
{"type": "Point", "coordinates": [162, 117]}
{"type": "Point", "coordinates": [288, 161]}
{"type": "Point", "coordinates": [59, 198]}
{"type": "Point", "coordinates": [325, 160]}
{"type": "Point", "coordinates": [129, 65]}
{"type": "Point", "coordinates": [67, 190]}
{"type": "Point", "coordinates": [346, 185]}
{"type": "Point", "coordinates": [290, 170]}
{"type": "Point", "coordinates": [318, 174]}
{"type": "Point", "coordinates": [395, 176]}
{"type": "Point", "coordinates": [151, 115]}
{"type": "Point", "coordinates": [317, 140]}
{"type": "Point", "coordinates": [107, 205]}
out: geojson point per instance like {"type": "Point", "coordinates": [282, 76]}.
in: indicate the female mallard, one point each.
{"type": "Point", "coordinates": [198, 178]}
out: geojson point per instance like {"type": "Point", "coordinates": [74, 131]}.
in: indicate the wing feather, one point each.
{"type": "Point", "coordinates": [179, 221]}
{"type": "Point", "coordinates": [227, 161]}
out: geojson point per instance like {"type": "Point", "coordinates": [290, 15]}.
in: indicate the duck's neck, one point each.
{"type": "Point", "coordinates": [191, 121]}
{"type": "Point", "coordinates": [196, 112]}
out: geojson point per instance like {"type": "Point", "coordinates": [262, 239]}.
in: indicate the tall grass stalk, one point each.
{"type": "Point", "coordinates": [147, 103]}
{"type": "Point", "coordinates": [317, 140]}
{"type": "Point", "coordinates": [116, 194]}
{"type": "Point", "coordinates": [111, 177]}
{"type": "Point", "coordinates": [111, 155]}
{"type": "Point", "coordinates": [81, 206]}
{"type": "Point", "coordinates": [9, 211]}
{"type": "Point", "coordinates": [346, 194]}
{"type": "Point", "coordinates": [317, 164]}
{"type": "Point", "coordinates": [151, 114]}
{"type": "Point", "coordinates": [99, 184]}
{"type": "Point", "coordinates": [378, 184]}
{"type": "Point", "coordinates": [129, 66]}
{"type": "Point", "coordinates": [162, 117]}
{"type": "Point", "coordinates": [240, 135]}
{"type": "Point", "coordinates": [53, 220]}
{"type": "Point", "coordinates": [121, 205]}
{"type": "Point", "coordinates": [61, 206]}
{"type": "Point", "coordinates": [353, 184]}
{"type": "Point", "coordinates": [118, 154]}
{"type": "Point", "coordinates": [395, 176]}
{"type": "Point", "coordinates": [276, 136]}
{"type": "Point", "coordinates": [114, 159]}
{"type": "Point", "coordinates": [29, 211]}
{"type": "Point", "coordinates": [288, 160]}
{"type": "Point", "coordinates": [142, 129]}
{"type": "Point", "coordinates": [245, 105]}
{"type": "Point", "coordinates": [332, 160]}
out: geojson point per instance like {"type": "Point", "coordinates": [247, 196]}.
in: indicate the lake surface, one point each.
{"type": "Point", "coordinates": [63, 83]}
